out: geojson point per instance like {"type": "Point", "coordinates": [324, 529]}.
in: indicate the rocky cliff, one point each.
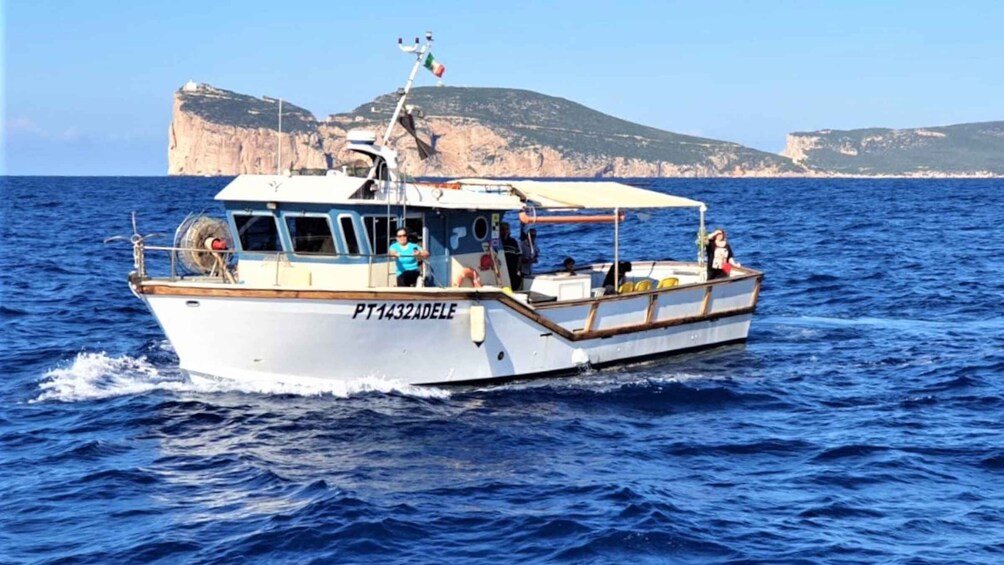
{"type": "Point", "coordinates": [962, 150]}
{"type": "Point", "coordinates": [501, 132]}
{"type": "Point", "coordinates": [218, 132]}
{"type": "Point", "coordinates": [476, 131]}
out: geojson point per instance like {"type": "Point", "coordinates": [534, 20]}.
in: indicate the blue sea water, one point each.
{"type": "Point", "coordinates": [860, 423]}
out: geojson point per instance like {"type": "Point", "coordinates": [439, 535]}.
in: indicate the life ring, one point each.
{"type": "Point", "coordinates": [469, 273]}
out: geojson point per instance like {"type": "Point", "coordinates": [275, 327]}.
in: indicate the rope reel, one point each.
{"type": "Point", "coordinates": [199, 232]}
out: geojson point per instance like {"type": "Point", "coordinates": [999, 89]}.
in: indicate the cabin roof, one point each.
{"type": "Point", "coordinates": [339, 190]}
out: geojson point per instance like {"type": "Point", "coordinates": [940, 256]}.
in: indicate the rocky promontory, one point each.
{"type": "Point", "coordinates": [499, 132]}
{"type": "Point", "coordinates": [476, 131]}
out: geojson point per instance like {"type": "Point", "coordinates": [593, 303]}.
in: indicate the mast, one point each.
{"type": "Point", "coordinates": [419, 52]}
{"type": "Point", "coordinates": [617, 250]}
{"type": "Point", "coordinates": [278, 164]}
{"type": "Point", "coordinates": [702, 242]}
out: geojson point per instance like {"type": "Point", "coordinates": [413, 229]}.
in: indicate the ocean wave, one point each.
{"type": "Point", "coordinates": [851, 451]}
{"type": "Point", "coordinates": [94, 376]}
{"type": "Point", "coordinates": [905, 324]}
{"type": "Point", "coordinates": [600, 382]}
{"type": "Point", "coordinates": [841, 510]}
{"type": "Point", "coordinates": [359, 386]}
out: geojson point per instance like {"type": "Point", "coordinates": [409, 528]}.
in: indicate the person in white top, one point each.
{"type": "Point", "coordinates": [720, 257]}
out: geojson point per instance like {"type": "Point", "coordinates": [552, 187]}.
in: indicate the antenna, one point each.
{"type": "Point", "coordinates": [408, 49]}
{"type": "Point", "coordinates": [278, 164]}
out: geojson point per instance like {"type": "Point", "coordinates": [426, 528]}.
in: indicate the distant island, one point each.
{"type": "Point", "coordinates": [496, 132]}
{"type": "Point", "coordinates": [963, 150]}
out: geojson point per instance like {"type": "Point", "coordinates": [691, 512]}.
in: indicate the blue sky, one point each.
{"type": "Point", "coordinates": [87, 85]}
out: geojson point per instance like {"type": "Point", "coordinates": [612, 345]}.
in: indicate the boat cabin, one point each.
{"type": "Point", "coordinates": [333, 232]}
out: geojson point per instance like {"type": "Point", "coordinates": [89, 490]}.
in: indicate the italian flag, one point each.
{"type": "Point", "coordinates": [435, 66]}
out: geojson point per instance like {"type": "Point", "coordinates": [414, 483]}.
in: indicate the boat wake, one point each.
{"type": "Point", "coordinates": [603, 382]}
{"type": "Point", "coordinates": [902, 324]}
{"type": "Point", "coordinates": [94, 376]}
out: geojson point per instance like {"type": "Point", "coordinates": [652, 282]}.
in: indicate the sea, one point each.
{"type": "Point", "coordinates": [860, 423]}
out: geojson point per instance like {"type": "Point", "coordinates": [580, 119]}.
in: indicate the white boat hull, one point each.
{"type": "Point", "coordinates": [426, 337]}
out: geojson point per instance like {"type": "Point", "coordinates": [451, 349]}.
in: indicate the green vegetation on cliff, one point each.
{"type": "Point", "coordinates": [537, 119]}
{"type": "Point", "coordinates": [594, 143]}
{"type": "Point", "coordinates": [224, 107]}
{"type": "Point", "coordinates": [976, 148]}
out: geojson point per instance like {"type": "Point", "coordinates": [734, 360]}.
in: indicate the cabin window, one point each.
{"type": "Point", "coordinates": [257, 233]}
{"type": "Point", "coordinates": [310, 234]}
{"type": "Point", "coordinates": [480, 228]}
{"type": "Point", "coordinates": [377, 230]}
{"type": "Point", "coordinates": [349, 234]}
{"type": "Point", "coordinates": [382, 173]}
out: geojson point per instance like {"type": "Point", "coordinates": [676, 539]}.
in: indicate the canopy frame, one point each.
{"type": "Point", "coordinates": [599, 195]}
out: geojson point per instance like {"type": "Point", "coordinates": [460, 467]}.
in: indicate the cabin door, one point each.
{"type": "Point", "coordinates": [432, 228]}
{"type": "Point", "coordinates": [429, 234]}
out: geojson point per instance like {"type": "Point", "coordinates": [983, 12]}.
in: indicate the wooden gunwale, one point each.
{"type": "Point", "coordinates": [475, 295]}
{"type": "Point", "coordinates": [591, 317]}
{"type": "Point", "coordinates": [756, 291]}
{"type": "Point", "coordinates": [630, 295]}
{"type": "Point", "coordinates": [653, 302]}
{"type": "Point", "coordinates": [706, 301]}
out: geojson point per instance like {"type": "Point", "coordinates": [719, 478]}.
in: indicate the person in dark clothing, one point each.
{"type": "Point", "coordinates": [512, 256]}
{"type": "Point", "coordinates": [569, 265]}
{"type": "Point", "coordinates": [623, 268]}
{"type": "Point", "coordinates": [529, 252]}
{"type": "Point", "coordinates": [720, 259]}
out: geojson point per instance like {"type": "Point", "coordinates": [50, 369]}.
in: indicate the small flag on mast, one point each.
{"type": "Point", "coordinates": [434, 66]}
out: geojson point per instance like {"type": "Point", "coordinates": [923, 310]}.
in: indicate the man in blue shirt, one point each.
{"type": "Point", "coordinates": [407, 254]}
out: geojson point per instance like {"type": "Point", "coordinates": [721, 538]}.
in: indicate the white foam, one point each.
{"type": "Point", "coordinates": [316, 387]}
{"type": "Point", "coordinates": [906, 324]}
{"type": "Point", "coordinates": [96, 375]}
{"type": "Point", "coordinates": [603, 382]}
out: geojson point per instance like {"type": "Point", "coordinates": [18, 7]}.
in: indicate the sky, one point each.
{"type": "Point", "coordinates": [87, 86]}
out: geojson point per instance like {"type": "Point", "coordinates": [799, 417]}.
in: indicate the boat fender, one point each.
{"type": "Point", "coordinates": [469, 273]}
{"type": "Point", "coordinates": [437, 193]}
{"type": "Point", "coordinates": [478, 324]}
{"type": "Point", "coordinates": [215, 243]}
{"type": "Point", "coordinates": [486, 263]}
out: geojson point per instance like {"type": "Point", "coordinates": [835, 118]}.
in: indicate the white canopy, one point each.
{"type": "Point", "coordinates": [587, 194]}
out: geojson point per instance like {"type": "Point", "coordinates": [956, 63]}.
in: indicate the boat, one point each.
{"type": "Point", "coordinates": [295, 283]}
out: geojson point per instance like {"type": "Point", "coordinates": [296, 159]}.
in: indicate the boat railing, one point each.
{"type": "Point", "coordinates": [221, 267]}
{"type": "Point", "coordinates": [221, 262]}
{"type": "Point", "coordinates": [224, 270]}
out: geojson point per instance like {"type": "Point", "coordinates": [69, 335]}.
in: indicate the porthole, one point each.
{"type": "Point", "coordinates": [480, 228]}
